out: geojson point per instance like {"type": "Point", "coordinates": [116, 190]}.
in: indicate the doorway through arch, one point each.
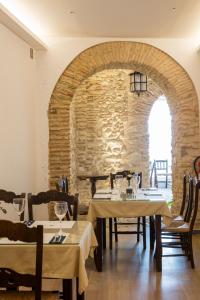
{"type": "Point", "coordinates": [160, 139]}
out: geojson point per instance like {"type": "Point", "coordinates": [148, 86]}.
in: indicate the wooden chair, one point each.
{"type": "Point", "coordinates": [160, 171]}
{"type": "Point", "coordinates": [196, 165]}
{"type": "Point", "coordinates": [116, 223]}
{"type": "Point", "coordinates": [10, 279]}
{"type": "Point", "coordinates": [7, 197]}
{"type": "Point", "coordinates": [52, 196]}
{"type": "Point", "coordinates": [62, 185]}
{"type": "Point", "coordinates": [184, 230]}
{"type": "Point", "coordinates": [185, 212]}
{"type": "Point", "coordinates": [185, 204]}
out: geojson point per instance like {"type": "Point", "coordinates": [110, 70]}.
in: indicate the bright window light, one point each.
{"type": "Point", "coordinates": [160, 131]}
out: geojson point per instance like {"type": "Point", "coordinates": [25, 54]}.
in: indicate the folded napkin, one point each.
{"type": "Point", "coordinates": [149, 189]}
{"type": "Point", "coordinates": [104, 191]}
{"type": "Point", "coordinates": [102, 196]}
{"type": "Point", "coordinates": [57, 239]}
{"type": "Point", "coordinates": [152, 194]}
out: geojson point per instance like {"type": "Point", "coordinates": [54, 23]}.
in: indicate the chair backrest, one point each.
{"type": "Point", "coordinates": [161, 165]}
{"type": "Point", "coordinates": [124, 173]}
{"type": "Point", "coordinates": [7, 197]}
{"type": "Point", "coordinates": [194, 203]}
{"type": "Point", "coordinates": [53, 195]}
{"type": "Point", "coordinates": [189, 198]}
{"type": "Point", "coordinates": [10, 278]}
{"type": "Point", "coordinates": [185, 198]}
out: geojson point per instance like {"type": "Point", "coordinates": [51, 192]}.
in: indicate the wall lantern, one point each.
{"type": "Point", "coordinates": [138, 82]}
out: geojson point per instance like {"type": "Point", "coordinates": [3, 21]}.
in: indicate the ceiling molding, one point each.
{"type": "Point", "coordinates": [13, 24]}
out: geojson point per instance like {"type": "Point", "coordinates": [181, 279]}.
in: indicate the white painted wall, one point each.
{"type": "Point", "coordinates": [17, 114]}
{"type": "Point", "coordinates": [61, 51]}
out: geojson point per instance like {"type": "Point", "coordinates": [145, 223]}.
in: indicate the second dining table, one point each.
{"type": "Point", "coordinates": [148, 202]}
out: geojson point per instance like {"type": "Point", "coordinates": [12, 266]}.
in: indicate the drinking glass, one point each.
{"type": "Point", "coordinates": [119, 183]}
{"type": "Point", "coordinates": [135, 181]}
{"type": "Point", "coordinates": [19, 205]}
{"type": "Point", "coordinates": [60, 209]}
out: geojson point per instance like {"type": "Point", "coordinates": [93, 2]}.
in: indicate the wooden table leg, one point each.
{"type": "Point", "coordinates": [151, 232]}
{"type": "Point", "coordinates": [98, 254]}
{"type": "Point", "coordinates": [78, 296]}
{"type": "Point", "coordinates": [67, 289]}
{"type": "Point", "coordinates": [110, 232]}
{"type": "Point", "coordinates": [158, 243]}
{"type": "Point", "coordinates": [104, 233]}
{"type": "Point", "coordinates": [144, 231]}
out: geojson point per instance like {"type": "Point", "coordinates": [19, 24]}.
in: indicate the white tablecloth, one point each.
{"type": "Point", "coordinates": [115, 207]}
{"type": "Point", "coordinates": [65, 260]}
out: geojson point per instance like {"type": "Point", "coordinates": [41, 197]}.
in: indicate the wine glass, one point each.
{"type": "Point", "coordinates": [138, 181]}
{"type": "Point", "coordinates": [19, 205]}
{"type": "Point", "coordinates": [135, 181]}
{"type": "Point", "coordinates": [119, 182]}
{"type": "Point", "coordinates": [60, 209]}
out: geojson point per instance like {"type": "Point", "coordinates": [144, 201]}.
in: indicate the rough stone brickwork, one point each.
{"type": "Point", "coordinates": [157, 65]}
{"type": "Point", "coordinates": [111, 126]}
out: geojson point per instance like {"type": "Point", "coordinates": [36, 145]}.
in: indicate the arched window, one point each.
{"type": "Point", "coordinates": [160, 131]}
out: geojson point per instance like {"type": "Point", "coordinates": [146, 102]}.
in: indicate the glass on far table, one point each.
{"type": "Point", "coordinates": [134, 183]}
{"type": "Point", "coordinates": [60, 209]}
{"type": "Point", "coordinates": [118, 181]}
{"type": "Point", "coordinates": [19, 205]}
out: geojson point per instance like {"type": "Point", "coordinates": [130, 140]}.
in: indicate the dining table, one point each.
{"type": "Point", "coordinates": [109, 203]}
{"type": "Point", "coordinates": [65, 260]}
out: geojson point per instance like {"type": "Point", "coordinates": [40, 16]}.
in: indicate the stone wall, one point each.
{"type": "Point", "coordinates": [168, 74]}
{"type": "Point", "coordinates": [111, 127]}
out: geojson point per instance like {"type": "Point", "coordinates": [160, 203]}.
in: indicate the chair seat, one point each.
{"type": "Point", "coordinates": [176, 227]}
{"type": "Point", "coordinates": [178, 218]}
{"type": "Point", "coordinates": [9, 295]}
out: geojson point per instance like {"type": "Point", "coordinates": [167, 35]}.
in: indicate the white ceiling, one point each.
{"type": "Point", "coordinates": [109, 18]}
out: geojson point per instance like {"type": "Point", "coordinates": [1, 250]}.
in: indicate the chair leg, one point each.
{"type": "Point", "coordinates": [152, 232]}
{"type": "Point", "coordinates": [138, 229]}
{"type": "Point", "coordinates": [67, 289]}
{"type": "Point", "coordinates": [191, 251]}
{"type": "Point", "coordinates": [144, 231]}
{"type": "Point", "coordinates": [104, 233]}
{"type": "Point", "coordinates": [110, 233]}
{"type": "Point", "coordinates": [115, 229]}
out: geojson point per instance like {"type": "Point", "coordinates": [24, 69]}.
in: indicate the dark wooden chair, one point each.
{"type": "Point", "coordinates": [196, 165]}
{"type": "Point", "coordinates": [115, 222]}
{"type": "Point", "coordinates": [184, 230]}
{"type": "Point", "coordinates": [185, 210]}
{"type": "Point", "coordinates": [185, 204]}
{"type": "Point", "coordinates": [7, 197]}
{"type": "Point", "coordinates": [10, 279]}
{"type": "Point", "coordinates": [52, 196]}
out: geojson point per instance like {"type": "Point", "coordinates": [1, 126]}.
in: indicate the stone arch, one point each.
{"type": "Point", "coordinates": [156, 64]}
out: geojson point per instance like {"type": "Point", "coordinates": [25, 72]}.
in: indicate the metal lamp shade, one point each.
{"type": "Point", "coordinates": [138, 82]}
